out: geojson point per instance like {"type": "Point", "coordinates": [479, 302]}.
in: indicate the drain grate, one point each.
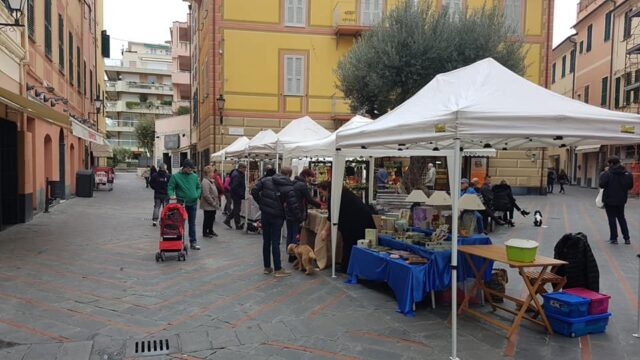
{"type": "Point", "coordinates": [152, 347]}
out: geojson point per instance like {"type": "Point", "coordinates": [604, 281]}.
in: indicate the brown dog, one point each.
{"type": "Point", "coordinates": [304, 257]}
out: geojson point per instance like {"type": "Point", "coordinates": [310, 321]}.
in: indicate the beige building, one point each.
{"type": "Point", "coordinates": [138, 87]}
{"type": "Point", "coordinates": [172, 141]}
{"type": "Point", "coordinates": [181, 65]}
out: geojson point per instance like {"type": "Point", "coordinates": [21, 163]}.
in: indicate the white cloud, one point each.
{"type": "Point", "coordinates": [563, 18]}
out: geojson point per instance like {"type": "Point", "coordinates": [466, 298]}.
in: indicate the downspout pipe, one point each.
{"type": "Point", "coordinates": [575, 67]}
{"type": "Point", "coordinates": [612, 40]}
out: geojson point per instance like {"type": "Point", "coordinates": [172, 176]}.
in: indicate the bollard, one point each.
{"type": "Point", "coordinates": [637, 333]}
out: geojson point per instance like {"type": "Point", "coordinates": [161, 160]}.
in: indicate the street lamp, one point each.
{"type": "Point", "coordinates": [15, 8]}
{"type": "Point", "coordinates": [220, 100]}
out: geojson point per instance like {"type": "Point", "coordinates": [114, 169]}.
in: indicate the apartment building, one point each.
{"type": "Point", "coordinates": [272, 61]}
{"type": "Point", "coordinates": [181, 67]}
{"type": "Point", "coordinates": [139, 86]}
{"type": "Point", "coordinates": [48, 89]}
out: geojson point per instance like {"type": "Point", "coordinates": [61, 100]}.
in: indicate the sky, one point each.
{"type": "Point", "coordinates": [141, 20]}
{"type": "Point", "coordinates": [150, 20]}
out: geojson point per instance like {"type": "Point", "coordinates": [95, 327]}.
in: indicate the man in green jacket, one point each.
{"type": "Point", "coordinates": [185, 187]}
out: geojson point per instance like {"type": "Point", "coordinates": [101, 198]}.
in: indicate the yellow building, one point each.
{"type": "Point", "coordinates": [274, 60]}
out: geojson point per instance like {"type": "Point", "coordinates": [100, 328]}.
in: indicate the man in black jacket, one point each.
{"type": "Point", "coordinates": [616, 182]}
{"type": "Point", "coordinates": [238, 189]}
{"type": "Point", "coordinates": [268, 193]}
{"type": "Point", "coordinates": [158, 183]}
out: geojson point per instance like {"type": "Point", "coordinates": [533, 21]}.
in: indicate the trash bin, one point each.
{"type": "Point", "coordinates": [85, 183]}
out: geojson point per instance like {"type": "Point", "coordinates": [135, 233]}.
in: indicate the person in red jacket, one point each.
{"type": "Point", "coordinates": [217, 180]}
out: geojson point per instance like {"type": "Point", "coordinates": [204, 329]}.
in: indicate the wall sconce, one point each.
{"type": "Point", "coordinates": [15, 8]}
{"type": "Point", "coordinates": [220, 100]}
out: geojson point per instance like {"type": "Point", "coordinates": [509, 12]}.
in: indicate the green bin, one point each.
{"type": "Point", "coordinates": [521, 250]}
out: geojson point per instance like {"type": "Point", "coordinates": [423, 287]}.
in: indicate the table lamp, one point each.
{"type": "Point", "coordinates": [439, 198]}
{"type": "Point", "coordinates": [471, 202]}
{"type": "Point", "coordinates": [417, 196]}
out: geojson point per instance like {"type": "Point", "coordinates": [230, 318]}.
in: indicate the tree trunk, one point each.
{"type": "Point", "coordinates": [412, 180]}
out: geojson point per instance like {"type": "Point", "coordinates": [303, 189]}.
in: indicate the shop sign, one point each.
{"type": "Point", "coordinates": [172, 142]}
{"type": "Point", "coordinates": [440, 128]}
{"type": "Point", "coordinates": [236, 131]}
{"type": "Point", "coordinates": [627, 129]}
{"type": "Point", "coordinates": [84, 132]}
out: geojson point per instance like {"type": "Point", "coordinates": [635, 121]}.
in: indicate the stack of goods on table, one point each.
{"type": "Point", "coordinates": [409, 257]}
{"type": "Point", "coordinates": [577, 312]}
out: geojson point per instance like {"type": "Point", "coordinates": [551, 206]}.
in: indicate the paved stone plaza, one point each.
{"type": "Point", "coordinates": [81, 283]}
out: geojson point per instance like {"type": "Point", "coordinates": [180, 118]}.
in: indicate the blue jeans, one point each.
{"type": "Point", "coordinates": [293, 228]}
{"type": "Point", "coordinates": [192, 210]}
{"type": "Point", "coordinates": [271, 231]}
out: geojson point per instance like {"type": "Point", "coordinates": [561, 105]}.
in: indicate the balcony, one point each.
{"type": "Point", "coordinates": [126, 143]}
{"type": "Point", "coordinates": [114, 67]}
{"type": "Point", "coordinates": [121, 125]}
{"type": "Point", "coordinates": [137, 107]}
{"type": "Point", "coordinates": [137, 87]}
{"type": "Point", "coordinates": [180, 77]}
{"type": "Point", "coordinates": [347, 20]}
{"type": "Point", "coordinates": [181, 48]}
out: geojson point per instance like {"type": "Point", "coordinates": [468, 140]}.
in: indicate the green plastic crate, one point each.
{"type": "Point", "coordinates": [521, 250]}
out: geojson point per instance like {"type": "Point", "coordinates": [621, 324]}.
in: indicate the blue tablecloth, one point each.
{"type": "Point", "coordinates": [412, 283]}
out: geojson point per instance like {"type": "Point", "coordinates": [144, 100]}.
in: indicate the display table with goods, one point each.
{"type": "Point", "coordinates": [412, 271]}
{"type": "Point", "coordinates": [316, 233]}
{"type": "Point", "coordinates": [500, 253]}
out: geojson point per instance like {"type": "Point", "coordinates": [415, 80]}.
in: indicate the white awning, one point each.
{"type": "Point", "coordinates": [479, 152]}
{"type": "Point", "coordinates": [84, 132]}
{"type": "Point", "coordinates": [587, 149]}
{"type": "Point", "coordinates": [102, 150]}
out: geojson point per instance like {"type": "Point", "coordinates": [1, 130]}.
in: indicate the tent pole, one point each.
{"type": "Point", "coordinates": [455, 197]}
{"type": "Point", "coordinates": [246, 196]}
{"type": "Point", "coordinates": [371, 179]}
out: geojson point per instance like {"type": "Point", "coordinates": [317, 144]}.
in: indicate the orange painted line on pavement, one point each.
{"type": "Point", "coordinates": [585, 348]}
{"type": "Point", "coordinates": [325, 305]}
{"type": "Point", "coordinates": [329, 354]}
{"type": "Point", "coordinates": [82, 276]}
{"type": "Point", "coordinates": [631, 296]}
{"type": "Point", "coordinates": [77, 313]}
{"type": "Point", "coordinates": [203, 310]}
{"type": "Point", "coordinates": [60, 259]}
{"type": "Point", "coordinates": [402, 341]}
{"type": "Point", "coordinates": [275, 302]}
{"type": "Point", "coordinates": [33, 330]}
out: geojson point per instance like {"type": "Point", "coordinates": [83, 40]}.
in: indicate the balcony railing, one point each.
{"type": "Point", "coordinates": [133, 86]}
{"type": "Point", "coordinates": [114, 124]}
{"type": "Point", "coordinates": [123, 143]}
{"type": "Point", "coordinates": [137, 107]}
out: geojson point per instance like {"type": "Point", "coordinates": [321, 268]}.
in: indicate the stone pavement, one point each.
{"type": "Point", "coordinates": [81, 283]}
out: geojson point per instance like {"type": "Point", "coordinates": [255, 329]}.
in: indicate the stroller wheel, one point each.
{"type": "Point", "coordinates": [157, 257]}
{"type": "Point", "coordinates": [162, 257]}
{"type": "Point", "coordinates": [186, 249]}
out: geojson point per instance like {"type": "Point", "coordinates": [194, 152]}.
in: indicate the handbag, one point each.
{"type": "Point", "coordinates": [599, 202]}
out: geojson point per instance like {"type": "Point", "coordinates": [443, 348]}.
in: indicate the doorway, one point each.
{"type": "Point", "coordinates": [61, 193]}
{"type": "Point", "coordinates": [8, 173]}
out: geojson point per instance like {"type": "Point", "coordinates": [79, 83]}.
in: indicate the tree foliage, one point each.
{"type": "Point", "coordinates": [146, 134]}
{"type": "Point", "coordinates": [412, 44]}
{"type": "Point", "coordinates": [183, 110]}
{"type": "Point", "coordinates": [409, 47]}
{"type": "Point", "coordinates": [120, 155]}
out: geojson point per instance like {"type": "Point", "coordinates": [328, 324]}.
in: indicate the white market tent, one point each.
{"type": "Point", "coordinates": [251, 147]}
{"type": "Point", "coordinates": [485, 103]}
{"type": "Point", "coordinates": [238, 145]}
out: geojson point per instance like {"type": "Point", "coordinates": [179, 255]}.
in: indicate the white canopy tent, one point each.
{"type": "Point", "coordinates": [253, 146]}
{"type": "Point", "coordinates": [238, 145]}
{"type": "Point", "coordinates": [486, 104]}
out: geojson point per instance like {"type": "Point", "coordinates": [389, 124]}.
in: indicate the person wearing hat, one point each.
{"type": "Point", "coordinates": [616, 182]}
{"type": "Point", "coordinates": [186, 189]}
{"type": "Point", "coordinates": [465, 188]}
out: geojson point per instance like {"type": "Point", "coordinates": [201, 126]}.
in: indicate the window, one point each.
{"type": "Point", "coordinates": [589, 35]}
{"type": "Point", "coordinates": [78, 68]}
{"type": "Point", "coordinates": [370, 12]}
{"type": "Point", "coordinates": [627, 82]}
{"type": "Point", "coordinates": [205, 79]}
{"type": "Point", "coordinates": [604, 94]}
{"type": "Point", "coordinates": [60, 42]}
{"type": "Point", "coordinates": [616, 94]}
{"type": "Point", "coordinates": [627, 25]}
{"type": "Point", "coordinates": [47, 28]}
{"type": "Point", "coordinates": [70, 58]}
{"type": "Point", "coordinates": [31, 19]}
{"type": "Point", "coordinates": [294, 12]}
{"type": "Point", "coordinates": [151, 79]}
{"type": "Point", "coordinates": [513, 16]}
{"type": "Point", "coordinates": [84, 80]}
{"type": "Point", "coordinates": [294, 75]}
{"type": "Point", "coordinates": [553, 73]}
{"type": "Point", "coordinates": [564, 66]}
{"type": "Point", "coordinates": [572, 61]}
{"type": "Point", "coordinates": [581, 47]}
{"type": "Point", "coordinates": [586, 94]}
{"type": "Point", "coordinates": [607, 27]}
{"type": "Point", "coordinates": [454, 7]}
{"type": "Point", "coordinates": [91, 85]}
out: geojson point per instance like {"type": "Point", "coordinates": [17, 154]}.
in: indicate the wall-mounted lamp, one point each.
{"type": "Point", "coordinates": [15, 8]}
{"type": "Point", "coordinates": [220, 100]}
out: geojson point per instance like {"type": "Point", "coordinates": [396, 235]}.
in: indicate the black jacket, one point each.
{"type": "Point", "coordinates": [238, 186]}
{"type": "Point", "coordinates": [487, 195]}
{"type": "Point", "coordinates": [292, 205]}
{"type": "Point", "coordinates": [267, 194]}
{"type": "Point", "coordinates": [355, 217]}
{"type": "Point", "coordinates": [303, 197]}
{"type": "Point", "coordinates": [503, 199]}
{"type": "Point", "coordinates": [616, 182]}
{"type": "Point", "coordinates": [158, 183]}
{"type": "Point", "coordinates": [582, 270]}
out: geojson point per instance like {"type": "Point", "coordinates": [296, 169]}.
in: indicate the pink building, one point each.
{"type": "Point", "coordinates": [181, 60]}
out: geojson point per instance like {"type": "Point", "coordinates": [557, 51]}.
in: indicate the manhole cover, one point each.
{"type": "Point", "coordinates": [152, 347]}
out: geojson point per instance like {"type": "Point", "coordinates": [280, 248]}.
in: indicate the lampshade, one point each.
{"type": "Point", "coordinates": [439, 198]}
{"type": "Point", "coordinates": [471, 202]}
{"type": "Point", "coordinates": [417, 196]}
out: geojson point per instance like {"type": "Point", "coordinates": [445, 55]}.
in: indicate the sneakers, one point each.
{"type": "Point", "coordinates": [228, 223]}
{"type": "Point", "coordinates": [240, 226]}
{"type": "Point", "coordinates": [282, 273]}
{"type": "Point", "coordinates": [267, 271]}
{"type": "Point", "coordinates": [613, 242]}
{"type": "Point", "coordinates": [194, 246]}
{"type": "Point", "coordinates": [627, 241]}
{"type": "Point", "coordinates": [214, 234]}
{"type": "Point", "coordinates": [155, 223]}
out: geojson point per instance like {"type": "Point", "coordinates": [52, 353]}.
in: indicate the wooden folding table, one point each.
{"type": "Point", "coordinates": [498, 253]}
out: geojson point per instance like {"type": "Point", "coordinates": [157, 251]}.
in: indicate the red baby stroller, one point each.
{"type": "Point", "coordinates": [172, 221]}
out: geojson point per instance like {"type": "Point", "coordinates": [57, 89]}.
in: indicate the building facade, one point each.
{"type": "Point", "coordinates": [181, 66]}
{"type": "Point", "coordinates": [274, 60]}
{"type": "Point", "coordinates": [173, 143]}
{"type": "Point", "coordinates": [138, 87]}
{"type": "Point", "coordinates": [48, 90]}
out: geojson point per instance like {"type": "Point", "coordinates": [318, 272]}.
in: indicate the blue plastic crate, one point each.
{"type": "Point", "coordinates": [576, 327]}
{"type": "Point", "coordinates": [564, 304]}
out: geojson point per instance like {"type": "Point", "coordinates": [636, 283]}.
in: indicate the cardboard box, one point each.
{"type": "Point", "coordinates": [372, 236]}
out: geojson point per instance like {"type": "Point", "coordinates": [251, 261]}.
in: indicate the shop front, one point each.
{"type": "Point", "coordinates": [590, 162]}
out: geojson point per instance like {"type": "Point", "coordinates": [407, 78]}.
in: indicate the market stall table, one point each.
{"type": "Point", "coordinates": [311, 234]}
{"type": "Point", "coordinates": [498, 253]}
{"type": "Point", "coordinates": [410, 283]}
